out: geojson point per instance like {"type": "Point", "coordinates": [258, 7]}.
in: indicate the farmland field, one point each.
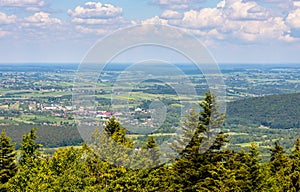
{"type": "Point", "coordinates": [40, 95]}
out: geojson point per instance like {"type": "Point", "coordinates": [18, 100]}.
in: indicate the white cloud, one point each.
{"type": "Point", "coordinates": [40, 19]}
{"type": "Point", "coordinates": [4, 19]}
{"type": "Point", "coordinates": [205, 18]}
{"type": "Point", "coordinates": [155, 20]}
{"type": "Point", "coordinates": [110, 21]}
{"type": "Point", "coordinates": [90, 30]}
{"type": "Point", "coordinates": [97, 18]}
{"type": "Point", "coordinates": [96, 10]}
{"type": "Point", "coordinates": [273, 28]}
{"type": "Point", "coordinates": [293, 18]}
{"type": "Point", "coordinates": [178, 4]}
{"type": "Point", "coordinates": [237, 9]}
{"type": "Point", "coordinates": [21, 3]}
{"type": "Point", "coordinates": [236, 21]}
{"type": "Point", "coordinates": [296, 3]}
{"type": "Point", "coordinates": [26, 5]}
{"type": "Point", "coordinates": [170, 14]}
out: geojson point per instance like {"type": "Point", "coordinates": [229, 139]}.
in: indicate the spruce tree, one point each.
{"type": "Point", "coordinates": [153, 150]}
{"type": "Point", "coordinates": [29, 148]}
{"type": "Point", "coordinates": [112, 126]}
{"type": "Point", "coordinates": [112, 145]}
{"type": "Point", "coordinates": [203, 151]}
{"type": "Point", "coordinates": [8, 166]}
{"type": "Point", "coordinates": [280, 167]}
{"type": "Point", "coordinates": [295, 167]}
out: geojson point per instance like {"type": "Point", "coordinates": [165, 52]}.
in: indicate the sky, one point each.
{"type": "Point", "coordinates": [234, 31]}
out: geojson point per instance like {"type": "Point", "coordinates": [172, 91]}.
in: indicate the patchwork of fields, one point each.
{"type": "Point", "coordinates": [40, 95]}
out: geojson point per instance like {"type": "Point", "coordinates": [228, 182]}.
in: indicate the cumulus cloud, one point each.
{"type": "Point", "coordinates": [296, 3]}
{"type": "Point", "coordinates": [97, 18]}
{"type": "Point", "coordinates": [272, 28]}
{"type": "Point", "coordinates": [238, 9]}
{"type": "Point", "coordinates": [4, 19]}
{"type": "Point", "coordinates": [21, 3]}
{"type": "Point", "coordinates": [27, 5]}
{"type": "Point", "coordinates": [155, 20]}
{"type": "Point", "coordinates": [91, 30]}
{"type": "Point", "coordinates": [109, 21]}
{"type": "Point", "coordinates": [235, 21]}
{"type": "Point", "coordinates": [205, 18]}
{"type": "Point", "coordinates": [170, 14]}
{"type": "Point", "coordinates": [178, 4]}
{"type": "Point", "coordinates": [293, 18]}
{"type": "Point", "coordinates": [96, 10]}
{"type": "Point", "coordinates": [40, 19]}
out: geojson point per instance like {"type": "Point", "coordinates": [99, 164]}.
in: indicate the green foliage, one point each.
{"type": "Point", "coordinates": [103, 166]}
{"type": "Point", "coordinates": [275, 111]}
{"type": "Point", "coordinates": [280, 167]}
{"type": "Point", "coordinates": [153, 151]}
{"type": "Point", "coordinates": [112, 126]}
{"type": "Point", "coordinates": [49, 136]}
{"type": "Point", "coordinates": [29, 149]}
{"type": "Point", "coordinates": [203, 152]}
{"type": "Point", "coordinates": [295, 167]}
{"type": "Point", "coordinates": [8, 167]}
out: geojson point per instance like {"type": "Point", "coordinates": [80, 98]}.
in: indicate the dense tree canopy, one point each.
{"type": "Point", "coordinates": [8, 166]}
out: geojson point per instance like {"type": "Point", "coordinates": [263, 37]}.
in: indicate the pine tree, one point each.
{"type": "Point", "coordinates": [189, 126]}
{"type": "Point", "coordinates": [112, 126]}
{"type": "Point", "coordinates": [295, 167]}
{"type": "Point", "coordinates": [117, 133]}
{"type": "Point", "coordinates": [112, 145]}
{"type": "Point", "coordinates": [279, 159]}
{"type": "Point", "coordinates": [204, 137]}
{"type": "Point", "coordinates": [280, 167]}
{"type": "Point", "coordinates": [249, 173]}
{"type": "Point", "coordinates": [256, 177]}
{"type": "Point", "coordinates": [33, 172]}
{"type": "Point", "coordinates": [153, 150]}
{"type": "Point", "coordinates": [203, 152]}
{"type": "Point", "coordinates": [29, 149]}
{"type": "Point", "coordinates": [8, 167]}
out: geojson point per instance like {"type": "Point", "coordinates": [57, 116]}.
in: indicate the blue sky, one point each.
{"type": "Point", "coordinates": [234, 31]}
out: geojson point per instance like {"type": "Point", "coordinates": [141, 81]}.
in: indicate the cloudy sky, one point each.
{"type": "Point", "coordinates": [234, 31]}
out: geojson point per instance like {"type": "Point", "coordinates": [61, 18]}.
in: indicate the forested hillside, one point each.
{"type": "Point", "coordinates": [274, 111]}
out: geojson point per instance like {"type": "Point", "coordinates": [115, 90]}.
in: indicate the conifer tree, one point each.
{"type": "Point", "coordinates": [112, 126]}
{"type": "Point", "coordinates": [256, 177]}
{"type": "Point", "coordinates": [112, 145]}
{"type": "Point", "coordinates": [249, 173]}
{"type": "Point", "coordinates": [279, 159]}
{"type": "Point", "coordinates": [204, 137]}
{"type": "Point", "coordinates": [153, 150]}
{"type": "Point", "coordinates": [117, 133]}
{"type": "Point", "coordinates": [29, 148]}
{"type": "Point", "coordinates": [280, 167]}
{"type": "Point", "coordinates": [202, 152]}
{"type": "Point", "coordinates": [8, 166]}
{"type": "Point", "coordinates": [295, 167]}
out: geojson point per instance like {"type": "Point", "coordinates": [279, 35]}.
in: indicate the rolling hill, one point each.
{"type": "Point", "coordinates": [274, 111]}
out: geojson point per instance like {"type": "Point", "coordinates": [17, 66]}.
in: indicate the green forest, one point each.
{"type": "Point", "coordinates": [275, 111]}
{"type": "Point", "coordinates": [217, 168]}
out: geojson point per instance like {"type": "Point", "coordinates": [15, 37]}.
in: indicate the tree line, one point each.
{"type": "Point", "coordinates": [216, 168]}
